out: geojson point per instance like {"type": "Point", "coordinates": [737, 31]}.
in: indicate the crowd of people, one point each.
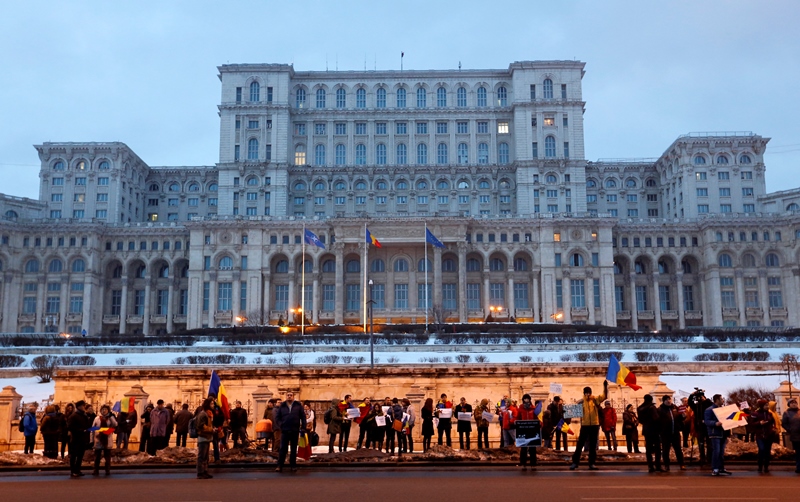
{"type": "Point", "coordinates": [388, 425]}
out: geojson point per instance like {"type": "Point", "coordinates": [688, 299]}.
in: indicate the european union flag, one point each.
{"type": "Point", "coordinates": [312, 239]}
{"type": "Point", "coordinates": [429, 237]}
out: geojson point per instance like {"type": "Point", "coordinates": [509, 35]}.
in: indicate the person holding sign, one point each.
{"type": "Point", "coordinates": [527, 412]}
{"type": "Point", "coordinates": [480, 414]}
{"type": "Point", "coordinates": [363, 429]}
{"type": "Point", "coordinates": [374, 426]}
{"type": "Point", "coordinates": [464, 427]}
{"type": "Point", "coordinates": [444, 410]}
{"type": "Point", "coordinates": [590, 426]}
{"type": "Point", "coordinates": [427, 424]}
{"type": "Point", "coordinates": [333, 418]}
{"type": "Point", "coordinates": [344, 435]}
{"type": "Point", "coordinates": [509, 417]}
{"type": "Point", "coordinates": [411, 421]}
{"type": "Point", "coordinates": [717, 435]}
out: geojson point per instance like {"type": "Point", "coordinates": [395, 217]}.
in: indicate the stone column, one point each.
{"type": "Point", "coordinates": [656, 301]}
{"type": "Point", "coordinates": [40, 302]}
{"type": "Point", "coordinates": [510, 306]}
{"type": "Point", "coordinates": [535, 297]}
{"type": "Point", "coordinates": [712, 299]}
{"type": "Point", "coordinates": [137, 392]}
{"type": "Point", "coordinates": [739, 281]}
{"type": "Point", "coordinates": [92, 298]}
{"type": "Point", "coordinates": [763, 291]}
{"type": "Point", "coordinates": [487, 297]}
{"type": "Point", "coordinates": [566, 296]}
{"type": "Point", "coordinates": [590, 297]}
{"type": "Point", "coordinates": [265, 299]}
{"type": "Point", "coordinates": [338, 250]}
{"type": "Point", "coordinates": [681, 313]}
{"type": "Point", "coordinates": [236, 295]}
{"type": "Point", "coordinates": [261, 397]}
{"type": "Point", "coordinates": [63, 307]}
{"type": "Point", "coordinates": [148, 289]}
{"type": "Point", "coordinates": [5, 287]}
{"type": "Point", "coordinates": [437, 276]}
{"type": "Point", "coordinates": [633, 306]}
{"type": "Point", "coordinates": [123, 309]}
{"type": "Point", "coordinates": [315, 296]}
{"type": "Point", "coordinates": [292, 299]}
{"type": "Point", "coordinates": [9, 403]}
{"type": "Point", "coordinates": [462, 282]}
{"type": "Point", "coordinates": [170, 304]}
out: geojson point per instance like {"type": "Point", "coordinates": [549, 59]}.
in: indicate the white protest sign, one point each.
{"type": "Point", "coordinates": [385, 409]}
{"type": "Point", "coordinates": [555, 388]}
{"type": "Point", "coordinates": [744, 405]}
{"type": "Point", "coordinates": [445, 412]}
{"type": "Point", "coordinates": [353, 413]}
{"type": "Point", "coordinates": [724, 412]}
{"type": "Point", "coordinates": [573, 410]}
{"type": "Point", "coordinates": [380, 421]}
{"type": "Point", "coordinates": [465, 416]}
{"type": "Point", "coordinates": [405, 418]}
{"type": "Point", "coordinates": [488, 416]}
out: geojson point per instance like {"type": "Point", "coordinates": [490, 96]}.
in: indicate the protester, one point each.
{"type": "Point", "coordinates": [205, 436]}
{"type": "Point", "coordinates": [649, 418]}
{"type": "Point", "coordinates": [102, 439]}
{"type": "Point", "coordinates": [590, 426]}
{"type": "Point", "coordinates": [527, 412]}
{"type": "Point", "coordinates": [238, 424]}
{"type": "Point", "coordinates": [170, 424]}
{"type": "Point", "coordinates": [290, 420]}
{"type": "Point", "coordinates": [311, 418]}
{"type": "Point", "coordinates": [375, 432]}
{"type": "Point", "coordinates": [548, 427]}
{"type": "Point", "coordinates": [445, 424]}
{"type": "Point", "coordinates": [408, 408]}
{"type": "Point", "coordinates": [363, 429]}
{"type": "Point", "coordinates": [763, 424]}
{"type": "Point", "coordinates": [718, 438]}
{"type": "Point", "coordinates": [50, 431]}
{"type": "Point", "coordinates": [790, 421]}
{"type": "Point", "coordinates": [670, 426]}
{"type": "Point", "coordinates": [219, 422]}
{"type": "Point", "coordinates": [69, 409]}
{"type": "Point", "coordinates": [159, 417]}
{"type": "Point", "coordinates": [698, 403]}
{"type": "Point", "coordinates": [30, 428]}
{"type": "Point", "coordinates": [686, 426]}
{"type": "Point", "coordinates": [333, 417]}
{"type": "Point", "coordinates": [556, 409]}
{"type": "Point", "coordinates": [388, 429]}
{"type": "Point", "coordinates": [427, 424]}
{"type": "Point", "coordinates": [125, 425]}
{"type": "Point", "coordinates": [272, 409]}
{"type": "Point", "coordinates": [499, 409]}
{"type": "Point", "coordinates": [609, 426]}
{"type": "Point", "coordinates": [630, 427]}
{"type": "Point", "coordinates": [344, 435]}
{"type": "Point", "coordinates": [78, 429]}
{"type": "Point", "coordinates": [464, 427]}
{"type": "Point", "coordinates": [482, 423]}
{"type": "Point", "coordinates": [91, 415]}
{"type": "Point", "coordinates": [509, 417]}
{"type": "Point", "coordinates": [181, 420]}
{"type": "Point", "coordinates": [396, 412]}
{"type": "Point", "coordinates": [144, 440]}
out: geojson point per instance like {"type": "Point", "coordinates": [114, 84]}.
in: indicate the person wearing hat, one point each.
{"type": "Point", "coordinates": [649, 418]}
{"type": "Point", "coordinates": [790, 421]}
{"type": "Point", "coordinates": [670, 426]}
{"type": "Point", "coordinates": [590, 426]}
{"type": "Point", "coordinates": [763, 424]}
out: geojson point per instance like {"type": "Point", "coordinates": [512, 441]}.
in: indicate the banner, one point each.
{"type": "Point", "coordinates": [529, 433]}
{"type": "Point", "coordinates": [725, 415]}
{"type": "Point", "coordinates": [555, 388]}
{"type": "Point", "coordinates": [380, 421]}
{"type": "Point", "coordinates": [353, 412]}
{"type": "Point", "coordinates": [573, 410]}
{"type": "Point", "coordinates": [465, 416]}
{"type": "Point", "coordinates": [489, 417]}
{"type": "Point", "coordinates": [445, 412]}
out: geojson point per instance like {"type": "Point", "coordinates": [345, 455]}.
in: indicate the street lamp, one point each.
{"type": "Point", "coordinates": [371, 329]}
{"type": "Point", "coordinates": [557, 316]}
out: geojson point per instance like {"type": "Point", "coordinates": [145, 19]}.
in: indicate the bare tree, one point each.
{"type": "Point", "coordinates": [289, 345]}
{"type": "Point", "coordinates": [439, 315]}
{"type": "Point", "coordinates": [792, 368]}
{"type": "Point", "coordinates": [257, 320]}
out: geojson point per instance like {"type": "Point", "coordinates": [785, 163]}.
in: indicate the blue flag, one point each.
{"type": "Point", "coordinates": [312, 239]}
{"type": "Point", "coordinates": [429, 237]}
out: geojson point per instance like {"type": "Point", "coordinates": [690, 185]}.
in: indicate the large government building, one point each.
{"type": "Point", "coordinates": [491, 161]}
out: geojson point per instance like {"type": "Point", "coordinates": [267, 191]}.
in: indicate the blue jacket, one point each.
{"type": "Point", "coordinates": [291, 419]}
{"type": "Point", "coordinates": [711, 420]}
{"type": "Point", "coordinates": [29, 422]}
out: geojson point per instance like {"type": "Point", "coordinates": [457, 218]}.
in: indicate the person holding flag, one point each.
{"type": "Point", "coordinates": [590, 426]}
{"type": "Point", "coordinates": [102, 428]}
{"type": "Point", "coordinates": [221, 409]}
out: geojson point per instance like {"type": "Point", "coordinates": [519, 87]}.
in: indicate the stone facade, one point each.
{"type": "Point", "coordinates": [491, 161]}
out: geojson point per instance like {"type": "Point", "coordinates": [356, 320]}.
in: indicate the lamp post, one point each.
{"type": "Point", "coordinates": [371, 329]}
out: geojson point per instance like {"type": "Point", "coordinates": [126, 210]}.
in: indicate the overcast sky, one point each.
{"type": "Point", "coordinates": [144, 73]}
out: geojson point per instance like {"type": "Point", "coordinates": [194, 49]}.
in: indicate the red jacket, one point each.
{"type": "Point", "coordinates": [609, 419]}
{"type": "Point", "coordinates": [510, 417]}
{"type": "Point", "coordinates": [363, 408]}
{"type": "Point", "coordinates": [526, 413]}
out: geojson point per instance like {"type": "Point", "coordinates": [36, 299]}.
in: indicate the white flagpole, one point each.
{"type": "Point", "coordinates": [303, 287]}
{"type": "Point", "coordinates": [364, 287]}
{"type": "Point", "coordinates": [426, 276]}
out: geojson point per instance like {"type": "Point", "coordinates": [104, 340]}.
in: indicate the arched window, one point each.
{"type": "Point", "coordinates": [58, 166]}
{"type": "Point", "coordinates": [745, 159]}
{"type": "Point", "coordinates": [300, 98]}
{"type": "Point", "coordinates": [319, 155]}
{"type": "Point", "coordinates": [153, 187]}
{"type": "Point", "coordinates": [252, 181]}
{"type": "Point", "coordinates": [551, 179]}
{"type": "Point", "coordinates": [319, 186]}
{"type": "Point", "coordinates": [380, 154]}
{"type": "Point", "coordinates": [473, 265]}
{"type": "Point", "coordinates": [174, 187]}
{"type": "Point", "coordinates": [252, 149]}
{"type": "Point", "coordinates": [341, 155]}
{"type": "Point", "coordinates": [361, 154]}
{"type": "Point", "coordinates": [686, 266]}
{"type": "Point", "coordinates": [401, 185]}
{"type": "Point", "coordinates": [484, 184]}
{"type": "Point", "coordinates": [104, 166]}
{"type": "Point", "coordinates": [164, 272]}
{"type": "Point", "coordinates": [361, 98]}
{"type": "Point", "coordinates": [79, 266]}
{"type": "Point", "coordinates": [226, 263]}
{"type": "Point", "coordinates": [449, 265]}
{"type": "Point", "coordinates": [402, 154]}
{"type": "Point", "coordinates": [282, 267]}
{"type": "Point", "coordinates": [481, 96]}
{"type": "Point", "coordinates": [380, 185]}
{"type": "Point", "coordinates": [650, 183]}
{"type": "Point", "coordinates": [721, 159]}
{"type": "Point", "coordinates": [699, 160]}
{"type": "Point", "coordinates": [213, 187]}
{"type": "Point", "coordinates": [441, 153]}
{"type": "Point", "coordinates": [725, 260]}
{"type": "Point", "coordinates": [461, 97]}
{"type": "Point", "coordinates": [663, 268]}
{"type": "Point", "coordinates": [502, 96]}
{"type": "Point", "coordinates": [353, 266]}
{"type": "Point", "coordinates": [185, 271]}
{"type": "Point", "coordinates": [502, 153]}
{"type": "Point", "coordinates": [255, 91]}
{"type": "Point", "coordinates": [11, 214]}
{"type": "Point", "coordinates": [341, 98]}
{"type": "Point", "coordinates": [320, 98]}
{"type": "Point", "coordinates": [576, 260]}
{"type": "Point", "coordinates": [520, 265]}
{"type": "Point", "coordinates": [361, 185]}
{"type": "Point", "coordinates": [463, 185]}
{"type": "Point", "coordinates": [442, 185]}
{"type": "Point", "coordinates": [550, 147]}
{"type": "Point", "coordinates": [401, 265]}
{"type": "Point", "coordinates": [548, 88]}
{"type": "Point", "coordinates": [117, 272]}
{"type": "Point", "coordinates": [424, 265]}
{"type": "Point", "coordinates": [748, 260]}
{"type": "Point", "coordinates": [497, 265]}
{"type": "Point", "coordinates": [441, 97]}
{"type": "Point", "coordinates": [483, 153]}
{"type": "Point", "coordinates": [380, 98]}
{"type": "Point", "coordinates": [591, 184]}
{"type": "Point", "coordinates": [401, 98]}
{"type": "Point", "coordinates": [617, 268]}
{"type": "Point", "coordinates": [422, 154]}
{"type": "Point", "coordinates": [793, 207]}
{"type": "Point", "coordinates": [328, 266]}
{"type": "Point", "coordinates": [639, 268]}
{"type": "Point", "coordinates": [300, 186]}
{"type": "Point", "coordinates": [611, 183]}
{"type": "Point", "coordinates": [422, 185]}
{"type": "Point", "coordinates": [378, 265]}
{"type": "Point", "coordinates": [141, 272]}
{"type": "Point", "coordinates": [422, 98]}
{"type": "Point", "coordinates": [463, 153]}
{"type": "Point", "coordinates": [772, 260]}
{"type": "Point", "coordinates": [300, 155]}
{"type": "Point", "coordinates": [55, 266]}
{"type": "Point", "coordinates": [630, 183]}
{"type": "Point", "coordinates": [340, 185]}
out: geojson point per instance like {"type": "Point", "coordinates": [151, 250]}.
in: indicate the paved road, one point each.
{"type": "Point", "coordinates": [409, 484]}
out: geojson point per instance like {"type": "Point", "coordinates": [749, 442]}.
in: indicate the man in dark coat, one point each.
{"type": "Point", "coordinates": [464, 427]}
{"type": "Point", "coordinates": [290, 419]}
{"type": "Point", "coordinates": [556, 409]}
{"type": "Point", "coordinates": [78, 428]}
{"type": "Point", "coordinates": [182, 419]}
{"type": "Point", "coordinates": [238, 425]}
{"type": "Point", "coordinates": [670, 427]}
{"type": "Point", "coordinates": [649, 418]}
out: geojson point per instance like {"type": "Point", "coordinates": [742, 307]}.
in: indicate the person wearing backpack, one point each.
{"type": "Point", "coordinates": [333, 418]}
{"type": "Point", "coordinates": [102, 440]}
{"type": "Point", "coordinates": [50, 430]}
{"type": "Point", "coordinates": [29, 428]}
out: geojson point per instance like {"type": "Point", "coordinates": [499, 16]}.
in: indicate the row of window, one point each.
{"type": "Point", "coordinates": [722, 159]}
{"type": "Point", "coordinates": [629, 183]}
{"type": "Point", "coordinates": [722, 175]}
{"type": "Point", "coordinates": [401, 128]}
{"type": "Point", "coordinates": [725, 208]}
{"type": "Point", "coordinates": [48, 241]}
{"type": "Point", "coordinates": [80, 165]}
{"type": "Point", "coordinates": [665, 291]}
{"type": "Point", "coordinates": [401, 98]}
{"type": "Point", "coordinates": [58, 181]}
{"type": "Point", "coordinates": [401, 154]}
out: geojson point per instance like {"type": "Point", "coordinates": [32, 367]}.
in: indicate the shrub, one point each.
{"type": "Point", "coordinates": [44, 367]}
{"type": "Point", "coordinates": [328, 359]}
{"type": "Point", "coordinates": [122, 361]}
{"type": "Point", "coordinates": [654, 357]}
{"type": "Point", "coordinates": [393, 360]}
{"type": "Point", "coordinates": [360, 360]}
{"type": "Point", "coordinates": [256, 360]}
{"type": "Point", "coordinates": [447, 359]}
{"type": "Point", "coordinates": [463, 358]}
{"type": "Point", "coordinates": [733, 356]}
{"type": "Point", "coordinates": [525, 359]}
{"type": "Point", "coordinates": [217, 359]}
{"type": "Point", "coordinates": [481, 359]}
{"type": "Point", "coordinates": [347, 359]}
{"type": "Point", "coordinates": [270, 360]}
{"type": "Point", "coordinates": [77, 361]}
{"type": "Point", "coordinates": [11, 361]}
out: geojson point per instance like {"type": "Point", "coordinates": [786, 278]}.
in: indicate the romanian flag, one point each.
{"type": "Point", "coordinates": [538, 411]}
{"type": "Point", "coordinates": [372, 240]}
{"type": "Point", "coordinates": [564, 427]}
{"type": "Point", "coordinates": [620, 374]}
{"type": "Point", "coordinates": [216, 388]}
{"type": "Point", "coordinates": [125, 405]}
{"type": "Point", "coordinates": [103, 430]}
{"type": "Point", "coordinates": [739, 415]}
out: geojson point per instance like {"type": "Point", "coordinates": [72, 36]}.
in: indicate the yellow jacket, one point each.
{"type": "Point", "coordinates": [591, 407]}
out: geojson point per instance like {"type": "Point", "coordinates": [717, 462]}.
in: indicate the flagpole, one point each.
{"type": "Point", "coordinates": [364, 289]}
{"type": "Point", "coordinates": [303, 287]}
{"type": "Point", "coordinates": [426, 276]}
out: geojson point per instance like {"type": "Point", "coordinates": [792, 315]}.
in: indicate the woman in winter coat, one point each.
{"type": "Point", "coordinates": [68, 410]}
{"type": "Point", "coordinates": [102, 440]}
{"type": "Point", "coordinates": [427, 424]}
{"type": "Point", "coordinates": [630, 427]}
{"type": "Point", "coordinates": [50, 430]}
{"type": "Point", "coordinates": [763, 425]}
{"type": "Point", "coordinates": [145, 428]}
{"type": "Point", "coordinates": [374, 431]}
{"type": "Point", "coordinates": [408, 408]}
{"type": "Point", "coordinates": [335, 425]}
{"type": "Point", "coordinates": [483, 424]}
{"type": "Point", "coordinates": [30, 427]}
{"type": "Point", "coordinates": [790, 421]}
